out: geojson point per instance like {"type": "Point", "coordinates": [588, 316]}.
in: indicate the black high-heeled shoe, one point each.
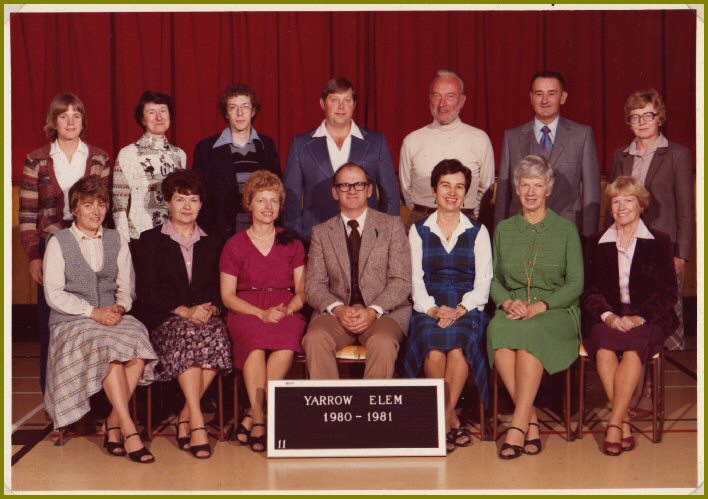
{"type": "Point", "coordinates": [196, 449]}
{"type": "Point", "coordinates": [182, 442]}
{"type": "Point", "coordinates": [517, 449]}
{"type": "Point", "coordinates": [138, 455]}
{"type": "Point", "coordinates": [242, 430]}
{"type": "Point", "coordinates": [260, 441]}
{"type": "Point", "coordinates": [536, 442]}
{"type": "Point", "coordinates": [113, 448]}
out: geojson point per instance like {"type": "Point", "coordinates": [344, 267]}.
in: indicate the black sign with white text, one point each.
{"type": "Point", "coordinates": [376, 416]}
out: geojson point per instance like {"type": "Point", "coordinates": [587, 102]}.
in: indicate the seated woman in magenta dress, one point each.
{"type": "Point", "coordinates": [452, 270]}
{"type": "Point", "coordinates": [629, 300]}
{"type": "Point", "coordinates": [263, 287]}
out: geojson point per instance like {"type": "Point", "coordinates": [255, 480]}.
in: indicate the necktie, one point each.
{"type": "Point", "coordinates": [546, 144]}
{"type": "Point", "coordinates": [353, 245]}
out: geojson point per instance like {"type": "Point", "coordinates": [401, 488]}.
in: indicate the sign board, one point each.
{"type": "Point", "coordinates": [397, 417]}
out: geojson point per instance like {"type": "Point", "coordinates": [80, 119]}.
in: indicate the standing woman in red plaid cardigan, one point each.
{"type": "Point", "coordinates": [48, 174]}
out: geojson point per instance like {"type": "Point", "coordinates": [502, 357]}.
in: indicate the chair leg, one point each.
{"type": "Point", "coordinates": [581, 398]}
{"type": "Point", "coordinates": [148, 423]}
{"type": "Point", "coordinates": [221, 407]}
{"type": "Point", "coordinates": [568, 378]}
{"type": "Point", "coordinates": [482, 422]}
{"type": "Point", "coordinates": [662, 396]}
{"type": "Point", "coordinates": [237, 379]}
{"type": "Point", "coordinates": [60, 442]}
{"type": "Point", "coordinates": [495, 404]}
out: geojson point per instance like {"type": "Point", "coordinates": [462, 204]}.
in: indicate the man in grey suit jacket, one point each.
{"type": "Point", "coordinates": [569, 146]}
{"type": "Point", "coordinates": [317, 154]}
{"type": "Point", "coordinates": [358, 281]}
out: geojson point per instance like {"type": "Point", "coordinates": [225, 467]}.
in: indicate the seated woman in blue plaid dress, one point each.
{"type": "Point", "coordinates": [452, 272]}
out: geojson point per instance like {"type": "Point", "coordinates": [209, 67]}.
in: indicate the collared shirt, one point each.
{"type": "Point", "coordinates": [361, 220]}
{"type": "Point", "coordinates": [338, 156]}
{"type": "Point", "coordinates": [624, 257]}
{"type": "Point", "coordinates": [538, 125]}
{"type": "Point", "coordinates": [187, 248]}
{"type": "Point", "coordinates": [227, 137]}
{"type": "Point", "coordinates": [92, 250]}
{"type": "Point", "coordinates": [475, 298]}
{"type": "Point", "coordinates": [640, 167]}
{"type": "Point", "coordinates": [68, 172]}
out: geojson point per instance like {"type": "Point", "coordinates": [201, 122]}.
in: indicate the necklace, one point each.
{"type": "Point", "coordinates": [260, 238]}
{"type": "Point", "coordinates": [529, 273]}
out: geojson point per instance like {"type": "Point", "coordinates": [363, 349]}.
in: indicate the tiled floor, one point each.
{"type": "Point", "coordinates": [82, 464]}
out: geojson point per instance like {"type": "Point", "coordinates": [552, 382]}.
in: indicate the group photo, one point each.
{"type": "Point", "coordinates": [203, 205]}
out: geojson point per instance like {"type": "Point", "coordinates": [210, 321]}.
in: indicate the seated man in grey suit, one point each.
{"type": "Point", "coordinates": [569, 146]}
{"type": "Point", "coordinates": [358, 281]}
{"type": "Point", "coordinates": [317, 154]}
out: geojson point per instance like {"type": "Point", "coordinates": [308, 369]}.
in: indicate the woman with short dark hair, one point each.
{"type": "Point", "coordinates": [88, 283]}
{"type": "Point", "coordinates": [452, 270]}
{"type": "Point", "coordinates": [177, 277]}
{"type": "Point", "coordinates": [138, 202]}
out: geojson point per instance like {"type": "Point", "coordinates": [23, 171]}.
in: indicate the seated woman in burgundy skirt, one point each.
{"type": "Point", "coordinates": [263, 287]}
{"type": "Point", "coordinates": [630, 292]}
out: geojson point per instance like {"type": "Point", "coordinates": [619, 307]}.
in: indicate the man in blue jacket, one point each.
{"type": "Point", "coordinates": [317, 154]}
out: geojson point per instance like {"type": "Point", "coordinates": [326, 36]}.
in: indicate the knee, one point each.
{"type": "Point", "coordinates": [604, 356]}
{"type": "Point", "coordinates": [382, 344]}
{"type": "Point", "coordinates": [317, 338]}
{"type": "Point", "coordinates": [456, 354]}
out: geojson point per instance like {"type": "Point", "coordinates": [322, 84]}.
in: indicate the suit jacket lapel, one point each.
{"type": "Point", "coordinates": [224, 164]}
{"type": "Point", "coordinates": [318, 149]}
{"type": "Point", "coordinates": [655, 164]}
{"type": "Point", "coordinates": [527, 140]}
{"type": "Point", "coordinates": [612, 266]}
{"type": "Point", "coordinates": [358, 150]}
{"type": "Point", "coordinates": [173, 252]}
{"type": "Point", "coordinates": [562, 139]}
{"type": "Point", "coordinates": [626, 163]}
{"type": "Point", "coordinates": [338, 240]}
{"type": "Point", "coordinates": [368, 239]}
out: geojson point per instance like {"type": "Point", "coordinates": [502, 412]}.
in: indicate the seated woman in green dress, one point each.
{"type": "Point", "coordinates": [538, 279]}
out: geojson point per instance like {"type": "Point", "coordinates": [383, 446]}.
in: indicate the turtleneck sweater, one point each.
{"type": "Point", "coordinates": [426, 147]}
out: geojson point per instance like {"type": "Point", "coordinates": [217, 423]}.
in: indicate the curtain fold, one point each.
{"type": "Point", "coordinates": [109, 59]}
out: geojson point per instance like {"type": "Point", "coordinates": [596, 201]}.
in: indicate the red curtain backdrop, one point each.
{"type": "Point", "coordinates": [108, 59]}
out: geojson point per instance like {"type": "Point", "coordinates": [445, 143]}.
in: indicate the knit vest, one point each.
{"type": "Point", "coordinates": [97, 288]}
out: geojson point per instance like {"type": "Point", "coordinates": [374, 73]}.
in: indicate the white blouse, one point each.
{"type": "Point", "coordinates": [92, 251]}
{"type": "Point", "coordinates": [478, 296]}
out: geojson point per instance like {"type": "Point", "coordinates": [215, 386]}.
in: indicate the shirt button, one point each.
{"type": "Point", "coordinates": [529, 262]}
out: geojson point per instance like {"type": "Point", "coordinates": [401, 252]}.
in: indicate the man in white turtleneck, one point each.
{"type": "Point", "coordinates": [445, 138]}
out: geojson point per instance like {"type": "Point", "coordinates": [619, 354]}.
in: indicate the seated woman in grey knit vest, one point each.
{"type": "Point", "coordinates": [89, 285]}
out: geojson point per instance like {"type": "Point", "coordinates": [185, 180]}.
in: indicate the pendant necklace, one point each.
{"type": "Point", "coordinates": [529, 273]}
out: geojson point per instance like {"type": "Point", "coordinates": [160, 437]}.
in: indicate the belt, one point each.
{"type": "Point", "coordinates": [427, 210]}
{"type": "Point", "coordinates": [292, 290]}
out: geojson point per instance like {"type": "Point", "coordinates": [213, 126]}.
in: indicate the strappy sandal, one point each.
{"type": "Point", "coordinates": [258, 441]}
{"type": "Point", "coordinates": [138, 455]}
{"type": "Point", "coordinates": [461, 433]}
{"type": "Point", "coordinates": [113, 448]}
{"type": "Point", "coordinates": [628, 443]}
{"type": "Point", "coordinates": [450, 445]}
{"type": "Point", "coordinates": [612, 448]}
{"type": "Point", "coordinates": [242, 430]}
{"type": "Point", "coordinates": [196, 449]}
{"type": "Point", "coordinates": [517, 449]}
{"type": "Point", "coordinates": [182, 442]}
{"type": "Point", "coordinates": [535, 442]}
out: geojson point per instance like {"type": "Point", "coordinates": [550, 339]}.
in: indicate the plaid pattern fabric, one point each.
{"type": "Point", "coordinates": [79, 354]}
{"type": "Point", "coordinates": [41, 198]}
{"type": "Point", "coordinates": [448, 276]}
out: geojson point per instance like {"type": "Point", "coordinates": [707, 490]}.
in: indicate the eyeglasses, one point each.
{"type": "Point", "coordinates": [648, 117]}
{"type": "Point", "coordinates": [358, 186]}
{"type": "Point", "coordinates": [243, 107]}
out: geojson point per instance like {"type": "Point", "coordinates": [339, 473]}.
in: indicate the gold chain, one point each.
{"type": "Point", "coordinates": [529, 275]}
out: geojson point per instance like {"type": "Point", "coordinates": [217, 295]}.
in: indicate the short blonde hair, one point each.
{"type": "Point", "coordinates": [629, 186]}
{"type": "Point", "coordinates": [60, 104]}
{"type": "Point", "coordinates": [642, 98]}
{"type": "Point", "coordinates": [262, 180]}
{"type": "Point", "coordinates": [534, 166]}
